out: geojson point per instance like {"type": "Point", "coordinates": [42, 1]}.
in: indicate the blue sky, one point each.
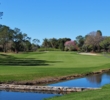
{"type": "Point", "coordinates": [57, 18]}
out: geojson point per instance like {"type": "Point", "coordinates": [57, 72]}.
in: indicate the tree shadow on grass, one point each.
{"type": "Point", "coordinates": [32, 52]}
{"type": "Point", "coordinates": [13, 61]}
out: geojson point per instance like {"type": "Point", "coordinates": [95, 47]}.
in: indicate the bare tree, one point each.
{"type": "Point", "coordinates": [93, 39]}
{"type": "Point", "coordinates": [98, 39]}
{"type": "Point", "coordinates": [90, 39]}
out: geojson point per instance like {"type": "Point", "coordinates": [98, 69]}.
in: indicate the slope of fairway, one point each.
{"type": "Point", "coordinates": [37, 65]}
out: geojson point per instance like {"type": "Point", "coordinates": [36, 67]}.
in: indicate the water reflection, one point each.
{"type": "Point", "coordinates": [34, 91]}
{"type": "Point", "coordinates": [108, 73]}
{"type": "Point", "coordinates": [9, 95]}
{"type": "Point", "coordinates": [88, 81]}
{"type": "Point", "coordinates": [99, 78]}
{"type": "Point", "coordinates": [95, 78]}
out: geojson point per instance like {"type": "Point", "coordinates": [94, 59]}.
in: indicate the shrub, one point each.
{"type": "Point", "coordinates": [70, 45]}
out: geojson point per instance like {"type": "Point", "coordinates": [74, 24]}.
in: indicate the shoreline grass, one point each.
{"type": "Point", "coordinates": [101, 94]}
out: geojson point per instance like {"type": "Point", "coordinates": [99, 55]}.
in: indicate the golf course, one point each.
{"type": "Point", "coordinates": [35, 66]}
{"type": "Point", "coordinates": [44, 65]}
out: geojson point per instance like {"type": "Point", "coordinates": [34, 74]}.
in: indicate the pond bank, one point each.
{"type": "Point", "coordinates": [44, 88]}
{"type": "Point", "coordinates": [53, 80]}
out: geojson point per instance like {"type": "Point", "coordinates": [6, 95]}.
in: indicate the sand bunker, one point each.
{"type": "Point", "coordinates": [88, 54]}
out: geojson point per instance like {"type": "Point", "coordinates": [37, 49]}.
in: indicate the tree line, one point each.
{"type": "Point", "coordinates": [14, 40]}
{"type": "Point", "coordinates": [92, 42]}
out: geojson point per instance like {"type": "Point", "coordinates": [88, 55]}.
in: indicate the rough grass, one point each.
{"type": "Point", "coordinates": [37, 65]}
{"type": "Point", "coordinates": [101, 94]}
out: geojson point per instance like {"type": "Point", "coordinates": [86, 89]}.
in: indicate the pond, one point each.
{"type": "Point", "coordinates": [88, 81]}
{"type": "Point", "coordinates": [9, 95]}
{"type": "Point", "coordinates": [94, 81]}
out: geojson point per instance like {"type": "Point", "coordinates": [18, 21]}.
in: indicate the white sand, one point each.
{"type": "Point", "coordinates": [88, 54]}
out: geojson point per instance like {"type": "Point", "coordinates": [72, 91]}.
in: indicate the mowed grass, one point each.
{"type": "Point", "coordinates": [41, 65]}
{"type": "Point", "coordinates": [101, 94]}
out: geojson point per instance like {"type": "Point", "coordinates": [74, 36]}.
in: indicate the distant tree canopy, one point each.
{"type": "Point", "coordinates": [92, 42]}
{"type": "Point", "coordinates": [55, 43]}
{"type": "Point", "coordinates": [93, 39]}
{"type": "Point", "coordinates": [70, 45]}
{"type": "Point", "coordinates": [80, 41]}
{"type": "Point", "coordinates": [14, 40]}
{"type": "Point", "coordinates": [105, 44]}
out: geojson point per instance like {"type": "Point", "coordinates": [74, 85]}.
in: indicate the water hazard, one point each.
{"type": "Point", "coordinates": [88, 81]}
{"type": "Point", "coordinates": [95, 81]}
{"type": "Point", "coordinates": [8, 95]}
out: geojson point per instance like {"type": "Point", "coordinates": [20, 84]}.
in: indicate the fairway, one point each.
{"type": "Point", "coordinates": [45, 65]}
